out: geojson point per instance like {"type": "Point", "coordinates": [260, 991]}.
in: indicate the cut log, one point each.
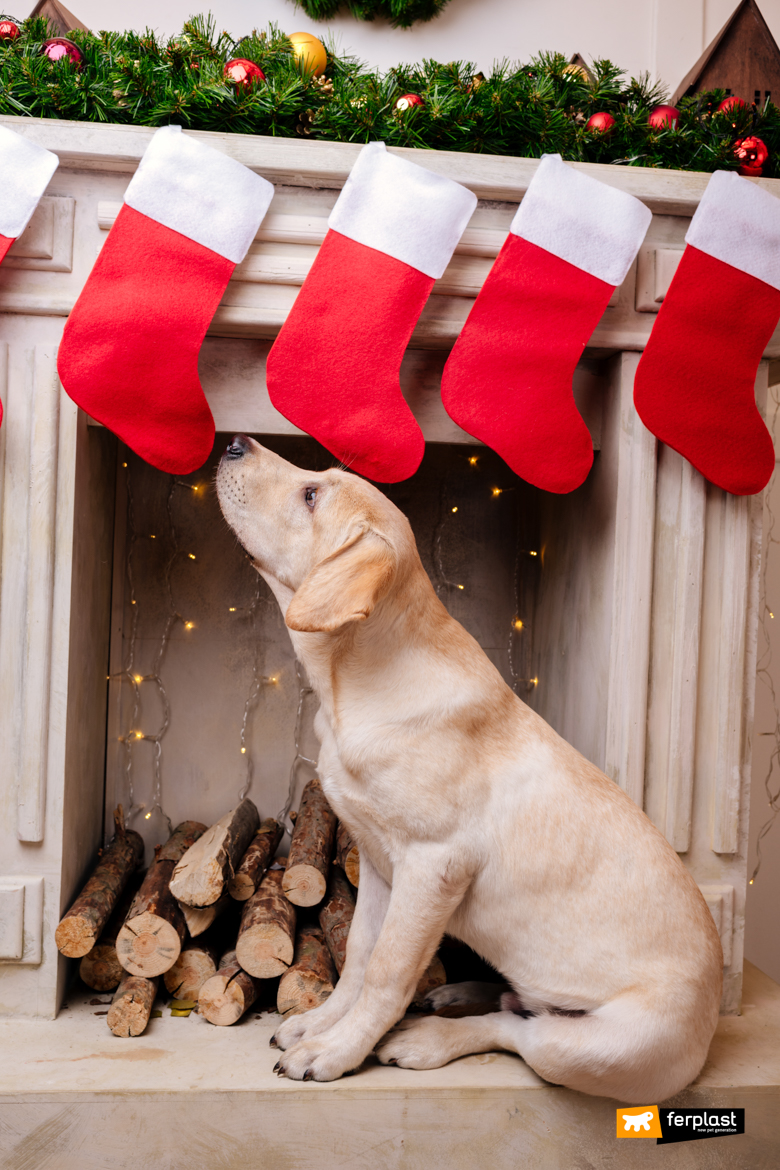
{"type": "Point", "coordinates": [202, 875]}
{"type": "Point", "coordinates": [150, 941]}
{"type": "Point", "coordinates": [434, 975]}
{"type": "Point", "coordinates": [310, 980]}
{"type": "Point", "coordinates": [200, 918]}
{"type": "Point", "coordinates": [311, 848]}
{"type": "Point", "coordinates": [256, 861]}
{"type": "Point", "coordinates": [265, 943]}
{"type": "Point", "coordinates": [336, 916]}
{"type": "Point", "coordinates": [197, 963]}
{"type": "Point", "coordinates": [131, 1006]}
{"type": "Point", "coordinates": [101, 969]}
{"type": "Point", "coordinates": [347, 855]}
{"type": "Point", "coordinates": [225, 997]}
{"type": "Point", "coordinates": [83, 924]}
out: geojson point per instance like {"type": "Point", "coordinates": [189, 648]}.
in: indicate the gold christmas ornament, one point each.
{"type": "Point", "coordinates": [309, 53]}
{"type": "Point", "coordinates": [578, 72]}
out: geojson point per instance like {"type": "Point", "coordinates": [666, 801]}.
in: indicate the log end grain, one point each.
{"type": "Point", "coordinates": [75, 937]}
{"type": "Point", "coordinates": [148, 945]}
{"type": "Point", "coordinates": [265, 950]}
{"type": "Point", "coordinates": [101, 969]}
{"type": "Point", "coordinates": [226, 996]}
{"type": "Point", "coordinates": [132, 1006]}
{"type": "Point", "coordinates": [241, 887]}
{"type": "Point", "coordinates": [304, 885]}
{"type": "Point", "coordinates": [194, 967]}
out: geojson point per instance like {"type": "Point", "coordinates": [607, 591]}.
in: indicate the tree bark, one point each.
{"type": "Point", "coordinates": [347, 855]}
{"type": "Point", "coordinates": [310, 980]}
{"type": "Point", "coordinates": [101, 969]}
{"type": "Point", "coordinates": [311, 848]}
{"type": "Point", "coordinates": [434, 975]}
{"type": "Point", "coordinates": [265, 938]}
{"type": "Point", "coordinates": [150, 941]}
{"type": "Point", "coordinates": [197, 963]}
{"type": "Point", "coordinates": [131, 1006]}
{"type": "Point", "coordinates": [226, 996]}
{"type": "Point", "coordinates": [200, 918]}
{"type": "Point", "coordinates": [83, 924]}
{"type": "Point", "coordinates": [256, 861]}
{"type": "Point", "coordinates": [202, 875]}
{"type": "Point", "coordinates": [336, 916]}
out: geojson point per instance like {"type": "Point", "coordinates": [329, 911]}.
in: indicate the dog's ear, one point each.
{"type": "Point", "coordinates": [344, 587]}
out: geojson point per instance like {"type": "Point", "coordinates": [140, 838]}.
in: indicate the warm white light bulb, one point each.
{"type": "Point", "coordinates": [243, 751]}
{"type": "Point", "coordinates": [497, 491]}
{"type": "Point", "coordinates": [191, 556]}
{"type": "Point", "coordinates": [454, 509]}
{"type": "Point", "coordinates": [231, 609]}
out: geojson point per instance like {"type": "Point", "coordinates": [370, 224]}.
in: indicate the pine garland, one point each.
{"type": "Point", "coordinates": [519, 110]}
{"type": "Point", "coordinates": [400, 13]}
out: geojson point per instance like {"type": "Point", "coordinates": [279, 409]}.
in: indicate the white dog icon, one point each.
{"type": "Point", "coordinates": [637, 1120]}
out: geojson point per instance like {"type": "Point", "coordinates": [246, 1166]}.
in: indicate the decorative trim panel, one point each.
{"type": "Point", "coordinates": [46, 244]}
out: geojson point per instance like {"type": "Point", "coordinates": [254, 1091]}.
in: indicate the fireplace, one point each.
{"type": "Point", "coordinates": [143, 662]}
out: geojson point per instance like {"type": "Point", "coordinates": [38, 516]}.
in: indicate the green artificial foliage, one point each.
{"type": "Point", "coordinates": [521, 110]}
{"type": "Point", "coordinates": [400, 13]}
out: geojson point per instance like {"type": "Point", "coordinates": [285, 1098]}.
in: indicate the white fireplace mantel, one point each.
{"type": "Point", "coordinates": [647, 610]}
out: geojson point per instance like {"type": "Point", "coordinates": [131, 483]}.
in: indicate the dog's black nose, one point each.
{"type": "Point", "coordinates": [237, 447]}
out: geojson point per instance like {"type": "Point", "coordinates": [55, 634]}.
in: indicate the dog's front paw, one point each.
{"type": "Point", "coordinates": [420, 1043]}
{"type": "Point", "coordinates": [318, 1060]}
{"type": "Point", "coordinates": [291, 1032]}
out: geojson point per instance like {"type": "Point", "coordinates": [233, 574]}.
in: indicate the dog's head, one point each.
{"type": "Point", "coordinates": [330, 538]}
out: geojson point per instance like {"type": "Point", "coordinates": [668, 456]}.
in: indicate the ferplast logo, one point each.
{"type": "Point", "coordinates": [639, 1122]}
{"type": "Point", "coordinates": [678, 1125]}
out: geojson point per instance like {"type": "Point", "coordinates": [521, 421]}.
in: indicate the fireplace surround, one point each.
{"type": "Point", "coordinates": [625, 613]}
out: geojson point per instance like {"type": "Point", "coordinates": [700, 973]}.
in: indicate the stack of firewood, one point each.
{"type": "Point", "coordinates": [218, 916]}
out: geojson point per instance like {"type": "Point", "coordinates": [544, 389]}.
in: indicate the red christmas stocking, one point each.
{"type": "Point", "coordinates": [508, 380]}
{"type": "Point", "coordinates": [334, 369]}
{"type": "Point", "coordinates": [695, 384]}
{"type": "Point", "coordinates": [25, 171]}
{"type": "Point", "coordinates": [129, 353]}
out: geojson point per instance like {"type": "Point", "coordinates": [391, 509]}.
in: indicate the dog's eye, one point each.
{"type": "Point", "coordinates": [310, 495]}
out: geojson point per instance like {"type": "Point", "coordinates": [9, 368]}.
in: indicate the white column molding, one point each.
{"type": "Point", "coordinates": [632, 586]}
{"type": "Point", "coordinates": [36, 664]}
{"type": "Point", "coordinates": [735, 539]}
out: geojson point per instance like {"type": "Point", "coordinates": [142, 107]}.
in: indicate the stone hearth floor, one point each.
{"type": "Point", "coordinates": [187, 1094]}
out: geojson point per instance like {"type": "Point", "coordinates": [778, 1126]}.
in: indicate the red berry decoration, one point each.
{"type": "Point", "coordinates": [663, 118]}
{"type": "Point", "coordinates": [58, 48]}
{"type": "Point", "coordinates": [8, 30]}
{"type": "Point", "coordinates": [242, 72]}
{"type": "Point", "coordinates": [730, 104]}
{"type": "Point", "coordinates": [408, 100]}
{"type": "Point", "coordinates": [601, 123]}
{"type": "Point", "coordinates": [752, 154]}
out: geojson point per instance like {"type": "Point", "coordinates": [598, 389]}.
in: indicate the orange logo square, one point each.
{"type": "Point", "coordinates": [638, 1121]}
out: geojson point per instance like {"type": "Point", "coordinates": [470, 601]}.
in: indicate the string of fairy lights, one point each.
{"type": "Point", "coordinates": [448, 513]}
{"type": "Point", "coordinates": [764, 672]}
{"type": "Point", "coordinates": [133, 736]}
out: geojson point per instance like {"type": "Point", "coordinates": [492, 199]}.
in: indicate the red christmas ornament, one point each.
{"type": "Point", "coordinates": [601, 123]}
{"type": "Point", "coordinates": [752, 153]}
{"type": "Point", "coordinates": [730, 103]}
{"type": "Point", "coordinates": [58, 48]}
{"type": "Point", "coordinates": [408, 100]}
{"type": "Point", "coordinates": [243, 72]}
{"type": "Point", "coordinates": [663, 118]}
{"type": "Point", "coordinates": [8, 30]}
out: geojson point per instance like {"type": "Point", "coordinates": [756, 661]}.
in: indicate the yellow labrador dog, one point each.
{"type": "Point", "coordinates": [472, 816]}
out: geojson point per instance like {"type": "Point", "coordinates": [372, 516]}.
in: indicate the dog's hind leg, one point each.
{"type": "Point", "coordinates": [618, 1050]}
{"type": "Point", "coordinates": [372, 902]}
{"type": "Point", "coordinates": [431, 1041]}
